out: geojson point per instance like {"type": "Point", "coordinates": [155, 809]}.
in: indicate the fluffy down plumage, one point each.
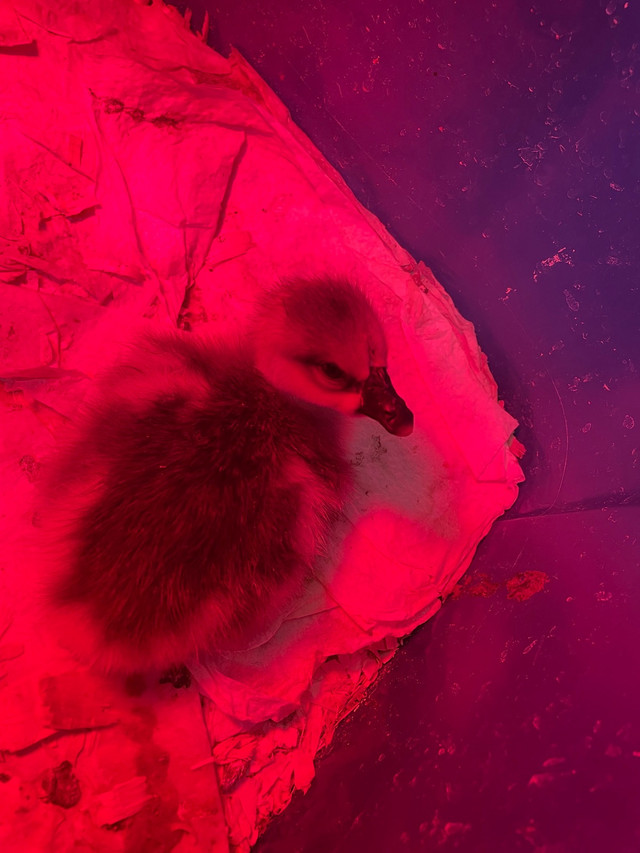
{"type": "Point", "coordinates": [190, 500]}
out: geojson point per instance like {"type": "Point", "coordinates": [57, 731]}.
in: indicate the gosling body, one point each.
{"type": "Point", "coordinates": [189, 504]}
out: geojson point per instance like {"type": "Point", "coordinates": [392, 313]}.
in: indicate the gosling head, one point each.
{"type": "Point", "coordinates": [322, 342]}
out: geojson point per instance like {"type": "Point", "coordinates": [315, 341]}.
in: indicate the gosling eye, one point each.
{"type": "Point", "coordinates": [333, 372]}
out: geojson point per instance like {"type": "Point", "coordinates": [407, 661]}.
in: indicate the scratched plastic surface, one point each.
{"type": "Point", "coordinates": [498, 142]}
{"type": "Point", "coordinates": [504, 725]}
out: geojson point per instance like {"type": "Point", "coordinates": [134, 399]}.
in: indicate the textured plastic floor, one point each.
{"type": "Point", "coordinates": [496, 142]}
{"type": "Point", "coordinates": [505, 724]}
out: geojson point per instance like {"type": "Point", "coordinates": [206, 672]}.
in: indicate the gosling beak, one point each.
{"type": "Point", "coordinates": [381, 402]}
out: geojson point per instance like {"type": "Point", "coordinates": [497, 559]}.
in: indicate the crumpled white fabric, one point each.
{"type": "Point", "coordinates": [148, 180]}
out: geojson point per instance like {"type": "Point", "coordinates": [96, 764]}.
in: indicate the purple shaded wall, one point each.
{"type": "Point", "coordinates": [500, 143]}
